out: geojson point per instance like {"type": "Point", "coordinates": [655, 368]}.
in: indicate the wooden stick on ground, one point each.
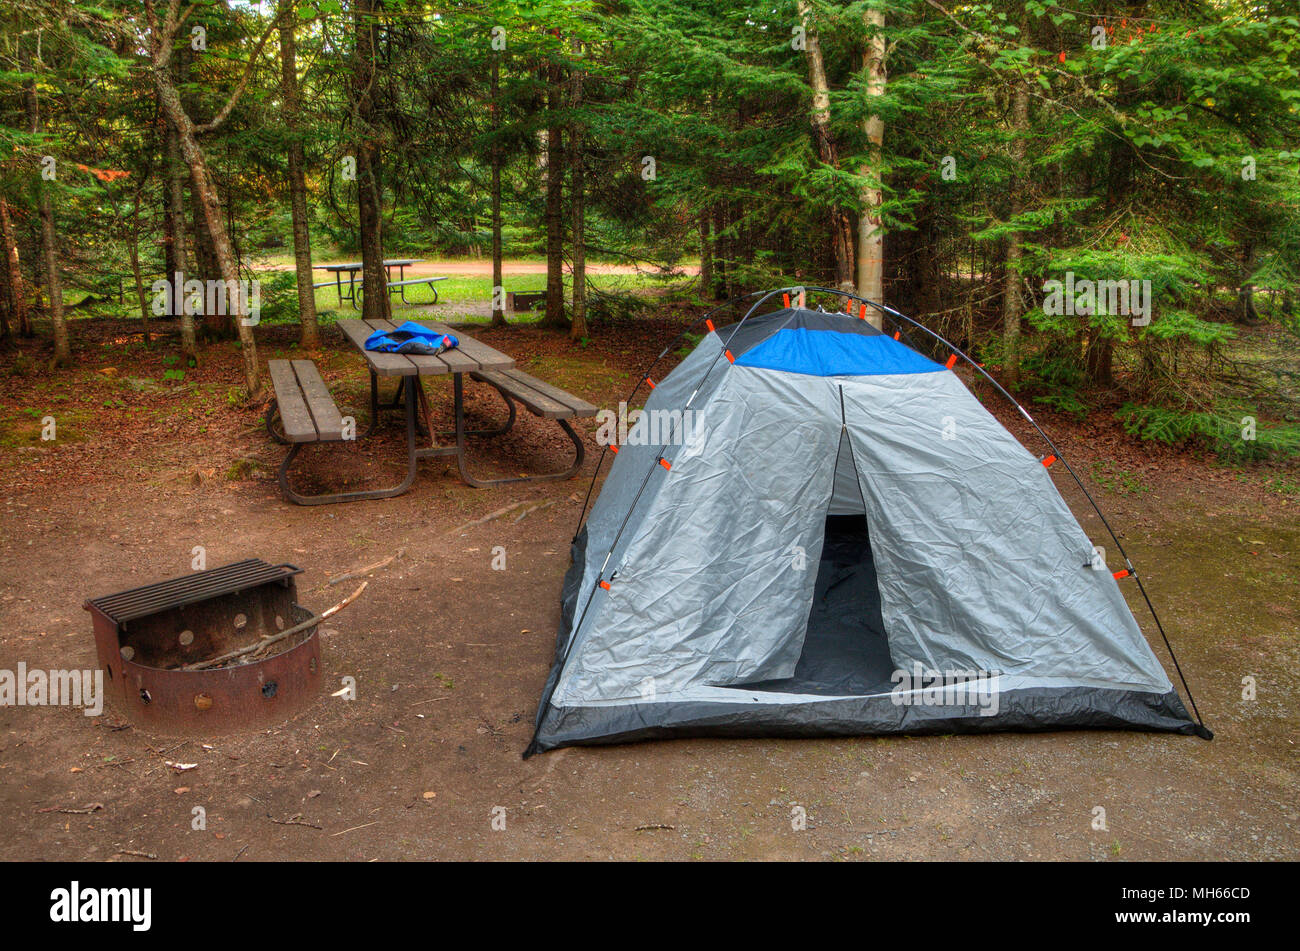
{"type": "Point", "coordinates": [274, 638]}
{"type": "Point", "coordinates": [489, 517]}
{"type": "Point", "coordinates": [361, 572]}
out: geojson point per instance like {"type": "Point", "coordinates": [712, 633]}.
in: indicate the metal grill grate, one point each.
{"type": "Point", "coordinates": [189, 589]}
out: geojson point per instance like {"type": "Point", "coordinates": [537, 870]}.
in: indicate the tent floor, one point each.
{"type": "Point", "coordinates": [845, 652]}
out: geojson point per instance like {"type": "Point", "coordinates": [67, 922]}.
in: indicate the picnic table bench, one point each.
{"type": "Point", "coordinates": [402, 285]}
{"type": "Point", "coordinates": [543, 400]}
{"type": "Point", "coordinates": [305, 412]}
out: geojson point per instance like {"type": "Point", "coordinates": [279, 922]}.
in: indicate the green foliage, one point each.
{"type": "Point", "coordinates": [1161, 149]}
{"type": "Point", "coordinates": [1220, 431]}
{"type": "Point", "coordinates": [279, 292]}
{"type": "Point", "coordinates": [1186, 326]}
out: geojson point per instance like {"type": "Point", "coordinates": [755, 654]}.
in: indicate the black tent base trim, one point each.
{"type": "Point", "coordinates": [1033, 710]}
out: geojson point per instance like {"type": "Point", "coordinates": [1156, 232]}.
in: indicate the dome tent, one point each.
{"type": "Point", "coordinates": [846, 542]}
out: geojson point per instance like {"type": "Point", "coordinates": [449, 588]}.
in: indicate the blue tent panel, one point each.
{"type": "Point", "coordinates": [828, 353]}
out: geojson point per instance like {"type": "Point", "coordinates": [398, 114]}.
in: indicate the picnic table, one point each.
{"type": "Point", "coordinates": [481, 362]}
{"type": "Point", "coordinates": [303, 412]}
{"type": "Point", "coordinates": [353, 268]}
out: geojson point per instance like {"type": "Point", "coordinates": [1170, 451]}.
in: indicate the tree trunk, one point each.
{"type": "Point", "coordinates": [498, 282]}
{"type": "Point", "coordinates": [5, 307]}
{"type": "Point", "coordinates": [49, 248]}
{"type": "Point", "coordinates": [375, 304]}
{"type": "Point", "coordinates": [179, 266]}
{"type": "Point", "coordinates": [706, 257]}
{"type": "Point", "coordinates": [206, 194]}
{"type": "Point", "coordinates": [1246, 312]}
{"type": "Point", "coordinates": [1099, 357]}
{"type": "Point", "coordinates": [13, 269]}
{"type": "Point", "coordinates": [841, 230]}
{"type": "Point", "coordinates": [871, 244]}
{"type": "Point", "coordinates": [578, 326]}
{"type": "Point", "coordinates": [177, 174]}
{"type": "Point", "coordinates": [133, 252]}
{"type": "Point", "coordinates": [49, 240]}
{"type": "Point", "coordinates": [310, 338]}
{"type": "Point", "coordinates": [722, 256]}
{"type": "Point", "coordinates": [1013, 306]}
{"type": "Point", "coordinates": [554, 208]}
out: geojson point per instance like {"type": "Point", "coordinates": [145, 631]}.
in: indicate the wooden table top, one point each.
{"type": "Point", "coordinates": [468, 356]}
{"type": "Point", "coordinates": [356, 265]}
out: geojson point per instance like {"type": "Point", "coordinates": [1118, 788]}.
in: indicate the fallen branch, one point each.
{"type": "Point", "coordinates": [362, 572]}
{"type": "Point", "coordinates": [354, 828]}
{"type": "Point", "coordinates": [294, 821]}
{"type": "Point", "coordinates": [274, 638]}
{"type": "Point", "coordinates": [541, 505]}
{"type": "Point", "coordinates": [93, 807]}
{"type": "Point", "coordinates": [136, 852]}
{"type": "Point", "coordinates": [489, 517]}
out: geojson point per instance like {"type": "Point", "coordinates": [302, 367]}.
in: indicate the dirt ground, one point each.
{"type": "Point", "coordinates": [449, 655]}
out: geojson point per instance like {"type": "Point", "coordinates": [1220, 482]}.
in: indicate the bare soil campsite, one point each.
{"type": "Point", "coordinates": [449, 654]}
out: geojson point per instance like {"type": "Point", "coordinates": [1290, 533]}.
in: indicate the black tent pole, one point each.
{"type": "Point", "coordinates": [642, 379]}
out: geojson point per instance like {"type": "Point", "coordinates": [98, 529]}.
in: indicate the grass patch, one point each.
{"type": "Point", "coordinates": [1114, 479]}
{"type": "Point", "coordinates": [24, 426]}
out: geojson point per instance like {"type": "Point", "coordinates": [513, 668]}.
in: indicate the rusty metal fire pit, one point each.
{"type": "Point", "coordinates": [151, 638]}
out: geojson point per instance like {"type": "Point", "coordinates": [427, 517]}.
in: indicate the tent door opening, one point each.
{"type": "Point", "coordinates": [845, 651]}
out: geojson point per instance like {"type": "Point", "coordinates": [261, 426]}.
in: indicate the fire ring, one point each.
{"type": "Point", "coordinates": [211, 652]}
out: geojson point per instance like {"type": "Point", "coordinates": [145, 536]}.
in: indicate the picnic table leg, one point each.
{"type": "Point", "coordinates": [458, 397]}
{"type": "Point", "coordinates": [401, 276]}
{"type": "Point", "coordinates": [364, 494]}
{"type": "Point", "coordinates": [378, 406]}
{"type": "Point", "coordinates": [500, 430]}
{"type": "Point", "coordinates": [374, 405]}
{"type": "Point", "coordinates": [579, 450]}
{"type": "Point", "coordinates": [423, 427]}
